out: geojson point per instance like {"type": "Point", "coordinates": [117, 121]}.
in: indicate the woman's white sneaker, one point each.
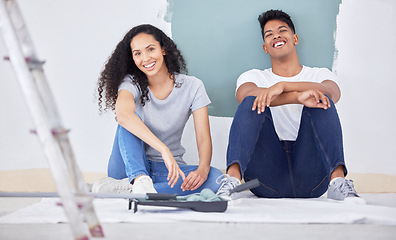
{"type": "Point", "coordinates": [111, 185]}
{"type": "Point", "coordinates": [143, 184]}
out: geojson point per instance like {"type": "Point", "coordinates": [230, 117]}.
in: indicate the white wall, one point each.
{"type": "Point", "coordinates": [76, 37]}
{"type": "Point", "coordinates": [366, 43]}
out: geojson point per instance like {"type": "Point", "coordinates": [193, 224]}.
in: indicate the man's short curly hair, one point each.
{"type": "Point", "coordinates": [275, 15]}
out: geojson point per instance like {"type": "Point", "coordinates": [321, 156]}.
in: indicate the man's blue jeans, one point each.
{"type": "Point", "coordinates": [286, 169]}
{"type": "Point", "coordinates": [128, 160]}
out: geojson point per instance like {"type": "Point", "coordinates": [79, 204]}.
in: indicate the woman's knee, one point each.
{"type": "Point", "coordinates": [211, 181]}
{"type": "Point", "coordinates": [214, 173]}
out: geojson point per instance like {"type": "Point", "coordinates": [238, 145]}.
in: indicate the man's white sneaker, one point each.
{"type": "Point", "coordinates": [227, 183]}
{"type": "Point", "coordinates": [111, 185]}
{"type": "Point", "coordinates": [143, 184]}
{"type": "Point", "coordinates": [342, 189]}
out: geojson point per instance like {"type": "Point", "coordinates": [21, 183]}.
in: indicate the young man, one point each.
{"type": "Point", "coordinates": [286, 131]}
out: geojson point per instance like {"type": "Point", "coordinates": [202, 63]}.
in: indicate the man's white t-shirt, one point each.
{"type": "Point", "coordinates": [287, 117]}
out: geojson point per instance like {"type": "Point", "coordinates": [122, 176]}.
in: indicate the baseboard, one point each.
{"type": "Point", "coordinates": [35, 180]}
{"type": "Point", "coordinates": [373, 183]}
{"type": "Point", "coordinates": [40, 180]}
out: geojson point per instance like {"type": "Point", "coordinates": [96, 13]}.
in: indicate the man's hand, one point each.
{"type": "Point", "coordinates": [195, 179]}
{"type": "Point", "coordinates": [313, 99]}
{"type": "Point", "coordinates": [266, 96]}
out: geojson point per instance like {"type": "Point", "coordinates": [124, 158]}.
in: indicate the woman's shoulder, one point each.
{"type": "Point", "coordinates": [193, 91]}
{"type": "Point", "coordinates": [184, 77]}
{"type": "Point", "coordinates": [183, 80]}
{"type": "Point", "coordinates": [128, 79]}
{"type": "Point", "coordinates": [128, 84]}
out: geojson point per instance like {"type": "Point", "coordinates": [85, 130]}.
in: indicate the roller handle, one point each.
{"type": "Point", "coordinates": [160, 196]}
{"type": "Point", "coordinates": [248, 185]}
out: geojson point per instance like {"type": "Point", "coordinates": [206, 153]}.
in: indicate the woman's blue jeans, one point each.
{"type": "Point", "coordinates": [128, 160]}
{"type": "Point", "coordinates": [286, 169]}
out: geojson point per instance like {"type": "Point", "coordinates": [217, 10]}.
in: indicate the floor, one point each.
{"type": "Point", "coordinates": [199, 230]}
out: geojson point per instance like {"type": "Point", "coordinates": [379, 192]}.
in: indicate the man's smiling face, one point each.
{"type": "Point", "coordinates": [279, 39]}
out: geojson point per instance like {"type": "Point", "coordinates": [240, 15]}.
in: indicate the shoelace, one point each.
{"type": "Point", "coordinates": [226, 184]}
{"type": "Point", "coordinates": [122, 188]}
{"type": "Point", "coordinates": [222, 178]}
{"type": "Point", "coordinates": [346, 187]}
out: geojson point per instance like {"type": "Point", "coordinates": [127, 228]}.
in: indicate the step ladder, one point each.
{"type": "Point", "coordinates": [71, 187]}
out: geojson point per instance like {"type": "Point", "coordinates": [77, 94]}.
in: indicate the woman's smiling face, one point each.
{"type": "Point", "coordinates": [147, 54]}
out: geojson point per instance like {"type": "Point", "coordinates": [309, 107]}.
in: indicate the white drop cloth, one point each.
{"type": "Point", "coordinates": [247, 208]}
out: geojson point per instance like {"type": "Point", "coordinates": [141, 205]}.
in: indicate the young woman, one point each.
{"type": "Point", "coordinates": [142, 82]}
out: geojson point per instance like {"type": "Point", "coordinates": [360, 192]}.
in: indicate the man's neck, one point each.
{"type": "Point", "coordinates": [288, 67]}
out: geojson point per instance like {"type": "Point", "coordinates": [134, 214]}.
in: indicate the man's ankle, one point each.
{"type": "Point", "coordinates": [234, 171]}
{"type": "Point", "coordinates": [338, 172]}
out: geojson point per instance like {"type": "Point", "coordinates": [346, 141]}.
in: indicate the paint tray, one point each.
{"type": "Point", "coordinates": [169, 200]}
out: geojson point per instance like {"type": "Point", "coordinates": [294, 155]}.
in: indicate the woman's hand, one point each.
{"type": "Point", "coordinates": [266, 96]}
{"type": "Point", "coordinates": [195, 179]}
{"type": "Point", "coordinates": [173, 168]}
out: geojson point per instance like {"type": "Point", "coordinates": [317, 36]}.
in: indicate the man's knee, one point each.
{"type": "Point", "coordinates": [248, 101]}
{"type": "Point", "coordinates": [245, 109]}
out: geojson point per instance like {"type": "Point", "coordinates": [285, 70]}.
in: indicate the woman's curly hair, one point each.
{"type": "Point", "coordinates": [121, 63]}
